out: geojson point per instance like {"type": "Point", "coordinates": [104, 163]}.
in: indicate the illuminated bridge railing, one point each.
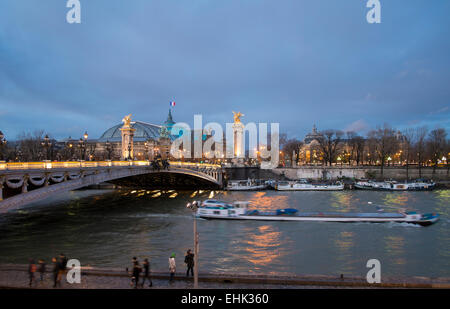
{"type": "Point", "coordinates": [89, 164]}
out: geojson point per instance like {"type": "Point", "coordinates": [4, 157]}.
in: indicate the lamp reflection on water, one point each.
{"type": "Point", "coordinates": [395, 247]}
{"type": "Point", "coordinates": [264, 246]}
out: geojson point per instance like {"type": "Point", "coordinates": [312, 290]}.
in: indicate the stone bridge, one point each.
{"type": "Point", "coordinates": [23, 183]}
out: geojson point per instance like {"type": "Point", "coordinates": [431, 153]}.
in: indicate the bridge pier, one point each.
{"type": "Point", "coordinates": [1, 188]}
{"type": "Point", "coordinates": [25, 184]}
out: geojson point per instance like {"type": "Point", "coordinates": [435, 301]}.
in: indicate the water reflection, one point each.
{"type": "Point", "coordinates": [263, 246]}
{"type": "Point", "coordinates": [342, 202]}
{"type": "Point", "coordinates": [394, 248]}
{"type": "Point", "coordinates": [396, 199]}
{"type": "Point", "coordinates": [103, 228]}
{"type": "Point", "coordinates": [344, 244]}
{"type": "Point", "coordinates": [263, 201]}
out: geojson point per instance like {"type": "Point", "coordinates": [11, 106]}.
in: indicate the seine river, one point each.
{"type": "Point", "coordinates": [106, 228]}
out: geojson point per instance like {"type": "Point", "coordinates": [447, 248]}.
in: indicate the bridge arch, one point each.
{"type": "Point", "coordinates": [66, 176]}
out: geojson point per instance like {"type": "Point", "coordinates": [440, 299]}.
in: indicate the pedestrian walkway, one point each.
{"type": "Point", "coordinates": [16, 276]}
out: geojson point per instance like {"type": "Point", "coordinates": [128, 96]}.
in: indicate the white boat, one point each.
{"type": "Point", "coordinates": [213, 209]}
{"type": "Point", "coordinates": [395, 186]}
{"type": "Point", "coordinates": [246, 185]}
{"type": "Point", "coordinates": [303, 185]}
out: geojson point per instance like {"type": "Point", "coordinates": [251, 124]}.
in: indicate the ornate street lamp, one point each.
{"type": "Point", "coordinates": [46, 144]}
{"type": "Point", "coordinates": [2, 144]}
{"type": "Point", "coordinates": [82, 147]}
{"type": "Point", "coordinates": [129, 151]}
{"type": "Point", "coordinates": [108, 149]}
{"type": "Point", "coordinates": [194, 206]}
{"type": "Point", "coordinates": [69, 147]}
{"type": "Point", "coordinates": [146, 145]}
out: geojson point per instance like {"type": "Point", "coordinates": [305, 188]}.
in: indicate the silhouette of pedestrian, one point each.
{"type": "Point", "coordinates": [56, 269]}
{"type": "Point", "coordinates": [172, 267]}
{"type": "Point", "coordinates": [41, 269]}
{"type": "Point", "coordinates": [62, 264]}
{"type": "Point", "coordinates": [31, 271]}
{"type": "Point", "coordinates": [189, 260]}
{"type": "Point", "coordinates": [135, 271]}
{"type": "Point", "coordinates": [146, 265]}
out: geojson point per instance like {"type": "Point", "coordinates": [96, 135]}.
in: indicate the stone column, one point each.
{"type": "Point", "coordinates": [127, 140]}
{"type": "Point", "coordinates": [238, 131]}
{"type": "Point", "coordinates": [47, 176]}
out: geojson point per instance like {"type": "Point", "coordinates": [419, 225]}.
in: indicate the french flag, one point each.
{"type": "Point", "coordinates": [172, 103]}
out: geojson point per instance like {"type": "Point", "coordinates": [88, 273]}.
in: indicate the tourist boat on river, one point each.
{"type": "Point", "coordinates": [214, 209]}
{"type": "Point", "coordinates": [304, 185]}
{"type": "Point", "coordinates": [418, 185]}
{"type": "Point", "coordinates": [246, 185]}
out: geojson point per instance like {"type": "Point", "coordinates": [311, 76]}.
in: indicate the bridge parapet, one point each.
{"type": "Point", "coordinates": [84, 164]}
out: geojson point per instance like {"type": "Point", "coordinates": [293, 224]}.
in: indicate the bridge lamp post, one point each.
{"type": "Point", "coordinates": [2, 144]}
{"type": "Point", "coordinates": [146, 146]}
{"type": "Point", "coordinates": [129, 151]}
{"type": "Point", "coordinates": [46, 144]}
{"type": "Point", "coordinates": [194, 206]}
{"type": "Point", "coordinates": [82, 146]}
{"type": "Point", "coordinates": [108, 149]}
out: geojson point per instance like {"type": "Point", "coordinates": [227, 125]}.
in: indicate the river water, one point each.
{"type": "Point", "coordinates": [106, 228]}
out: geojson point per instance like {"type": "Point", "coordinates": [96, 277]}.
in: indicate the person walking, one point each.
{"type": "Point", "coordinates": [136, 272]}
{"type": "Point", "coordinates": [172, 267]}
{"type": "Point", "coordinates": [31, 271]}
{"type": "Point", "coordinates": [41, 269]}
{"type": "Point", "coordinates": [55, 271]}
{"type": "Point", "coordinates": [146, 265]}
{"type": "Point", "coordinates": [62, 264]}
{"type": "Point", "coordinates": [189, 260]}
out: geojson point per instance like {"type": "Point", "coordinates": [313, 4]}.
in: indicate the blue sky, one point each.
{"type": "Point", "coordinates": [295, 62]}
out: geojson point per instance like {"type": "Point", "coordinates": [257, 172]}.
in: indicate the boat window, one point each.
{"type": "Point", "coordinates": [217, 212]}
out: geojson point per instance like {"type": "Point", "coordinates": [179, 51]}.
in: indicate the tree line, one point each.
{"type": "Point", "coordinates": [382, 146]}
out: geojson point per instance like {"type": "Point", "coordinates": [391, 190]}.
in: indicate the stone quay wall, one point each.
{"type": "Point", "coordinates": [370, 172]}
{"type": "Point", "coordinates": [336, 172]}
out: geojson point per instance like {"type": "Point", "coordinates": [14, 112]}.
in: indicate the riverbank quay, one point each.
{"type": "Point", "coordinates": [335, 172]}
{"type": "Point", "coordinates": [13, 276]}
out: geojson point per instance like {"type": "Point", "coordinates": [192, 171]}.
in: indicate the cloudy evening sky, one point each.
{"type": "Point", "coordinates": [296, 62]}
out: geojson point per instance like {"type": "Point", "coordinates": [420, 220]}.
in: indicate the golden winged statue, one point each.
{"type": "Point", "coordinates": [126, 120]}
{"type": "Point", "coordinates": [237, 117]}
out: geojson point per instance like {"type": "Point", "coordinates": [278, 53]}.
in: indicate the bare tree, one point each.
{"type": "Point", "coordinates": [291, 146]}
{"type": "Point", "coordinates": [409, 136]}
{"type": "Point", "coordinates": [30, 145]}
{"type": "Point", "coordinates": [329, 144]}
{"type": "Point", "coordinates": [356, 144]}
{"type": "Point", "coordinates": [436, 145]}
{"type": "Point", "coordinates": [385, 143]}
{"type": "Point", "coordinates": [421, 133]}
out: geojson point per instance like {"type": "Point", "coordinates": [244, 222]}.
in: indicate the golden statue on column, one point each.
{"type": "Point", "coordinates": [238, 129]}
{"type": "Point", "coordinates": [126, 121]}
{"type": "Point", "coordinates": [127, 138]}
{"type": "Point", "coordinates": [237, 117]}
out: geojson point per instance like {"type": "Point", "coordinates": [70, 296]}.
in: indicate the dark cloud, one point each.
{"type": "Point", "coordinates": [293, 62]}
